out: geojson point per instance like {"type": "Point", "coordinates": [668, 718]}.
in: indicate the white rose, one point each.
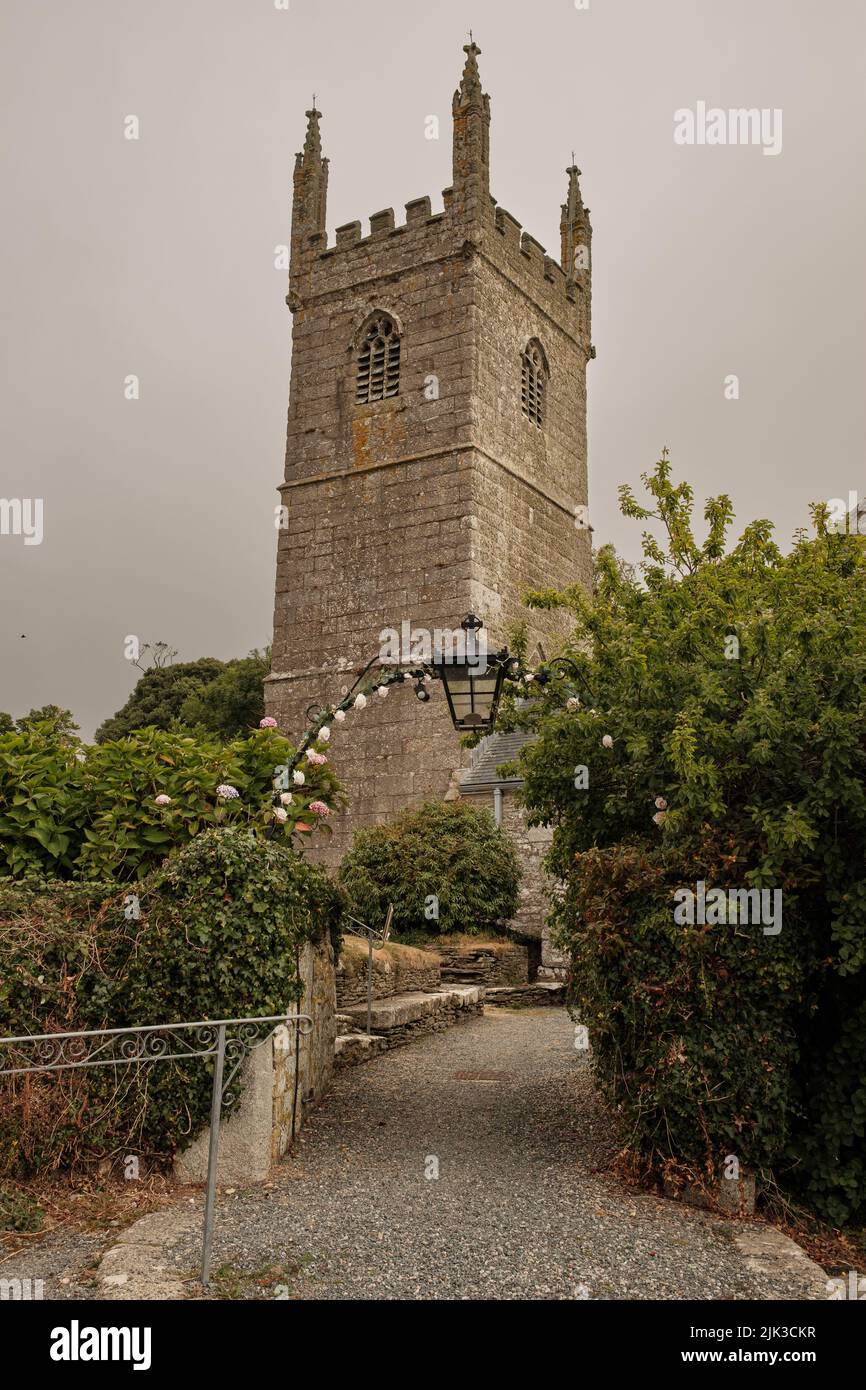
{"type": "Point", "coordinates": [280, 814]}
{"type": "Point", "coordinates": [298, 778]}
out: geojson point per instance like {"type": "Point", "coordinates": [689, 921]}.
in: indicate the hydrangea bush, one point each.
{"type": "Point", "coordinates": [114, 810]}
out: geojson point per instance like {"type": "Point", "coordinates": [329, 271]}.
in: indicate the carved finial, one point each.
{"type": "Point", "coordinates": [313, 140]}
{"type": "Point", "coordinates": [575, 201]}
{"type": "Point", "coordinates": [575, 252]}
{"type": "Point", "coordinates": [470, 82]}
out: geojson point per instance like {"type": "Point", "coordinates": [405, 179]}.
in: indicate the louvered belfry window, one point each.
{"type": "Point", "coordinates": [532, 385]}
{"type": "Point", "coordinates": [378, 375]}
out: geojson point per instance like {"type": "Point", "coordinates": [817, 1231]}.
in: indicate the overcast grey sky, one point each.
{"type": "Point", "coordinates": [156, 257]}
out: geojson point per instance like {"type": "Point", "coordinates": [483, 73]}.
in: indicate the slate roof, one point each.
{"type": "Point", "coordinates": [491, 752]}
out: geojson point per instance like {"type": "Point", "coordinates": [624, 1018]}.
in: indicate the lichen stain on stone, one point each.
{"type": "Point", "coordinates": [377, 439]}
{"type": "Point", "coordinates": [360, 442]}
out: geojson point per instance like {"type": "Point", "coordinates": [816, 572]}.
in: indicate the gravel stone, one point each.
{"type": "Point", "coordinates": [522, 1207]}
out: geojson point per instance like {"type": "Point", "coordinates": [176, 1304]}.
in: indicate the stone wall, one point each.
{"type": "Point", "coordinates": [484, 963]}
{"type": "Point", "coordinates": [396, 970]}
{"type": "Point", "coordinates": [310, 1057]}
{"type": "Point", "coordinates": [536, 885]}
{"type": "Point", "coordinates": [256, 1132]}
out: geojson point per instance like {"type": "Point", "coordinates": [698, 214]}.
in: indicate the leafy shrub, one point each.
{"type": "Point", "coordinates": [723, 698]}
{"type": "Point", "coordinates": [19, 1211]}
{"type": "Point", "coordinates": [220, 928]}
{"type": "Point", "coordinates": [692, 1027]}
{"type": "Point", "coordinates": [42, 812]}
{"type": "Point", "coordinates": [92, 813]}
{"type": "Point", "coordinates": [444, 849]}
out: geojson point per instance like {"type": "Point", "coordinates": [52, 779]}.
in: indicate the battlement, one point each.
{"type": "Point", "coordinates": [503, 238]}
{"type": "Point", "coordinates": [470, 223]}
{"type": "Point", "coordinates": [382, 224]}
{"type": "Point", "coordinates": [529, 261]}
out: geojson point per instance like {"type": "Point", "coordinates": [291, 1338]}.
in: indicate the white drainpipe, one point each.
{"type": "Point", "coordinates": [497, 805]}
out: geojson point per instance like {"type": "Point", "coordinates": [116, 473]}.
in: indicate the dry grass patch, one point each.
{"type": "Point", "coordinates": [353, 957]}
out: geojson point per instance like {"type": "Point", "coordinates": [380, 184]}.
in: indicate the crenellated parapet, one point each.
{"type": "Point", "coordinates": [469, 223]}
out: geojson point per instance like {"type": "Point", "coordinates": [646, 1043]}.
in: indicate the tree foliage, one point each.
{"type": "Point", "coordinates": [222, 698]}
{"type": "Point", "coordinates": [732, 683]}
{"type": "Point", "coordinates": [233, 702]}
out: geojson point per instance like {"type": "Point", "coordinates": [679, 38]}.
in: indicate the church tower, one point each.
{"type": "Point", "coordinates": [436, 458]}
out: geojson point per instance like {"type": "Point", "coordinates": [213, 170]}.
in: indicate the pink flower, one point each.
{"type": "Point", "coordinates": [298, 778]}
{"type": "Point", "coordinates": [607, 741]}
{"type": "Point", "coordinates": [339, 715]}
{"type": "Point", "coordinates": [225, 792]}
{"type": "Point", "coordinates": [280, 815]}
{"type": "Point", "coordinates": [315, 758]}
{"type": "Point", "coordinates": [319, 808]}
{"type": "Point", "coordinates": [286, 798]}
{"type": "Point", "coordinates": [163, 800]}
{"type": "Point", "coordinates": [267, 722]}
{"type": "Point", "coordinates": [660, 817]}
{"type": "Point", "coordinates": [324, 734]}
{"type": "Point", "coordinates": [661, 803]}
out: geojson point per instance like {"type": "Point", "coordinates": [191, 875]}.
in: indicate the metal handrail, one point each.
{"type": "Point", "coordinates": [152, 1043]}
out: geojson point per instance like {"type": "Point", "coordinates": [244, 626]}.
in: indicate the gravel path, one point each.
{"type": "Point", "coordinates": [521, 1207]}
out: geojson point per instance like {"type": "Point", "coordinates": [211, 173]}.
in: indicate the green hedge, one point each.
{"type": "Point", "coordinates": [693, 1028]}
{"type": "Point", "coordinates": [443, 851]}
{"type": "Point", "coordinates": [220, 927]}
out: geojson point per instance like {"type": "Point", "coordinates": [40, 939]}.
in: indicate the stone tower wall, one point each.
{"type": "Point", "coordinates": [441, 500]}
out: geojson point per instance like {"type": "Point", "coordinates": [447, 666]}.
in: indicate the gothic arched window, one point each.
{"type": "Point", "coordinates": [378, 374]}
{"type": "Point", "coordinates": [533, 383]}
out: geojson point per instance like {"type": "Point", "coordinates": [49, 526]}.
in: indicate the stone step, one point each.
{"type": "Point", "coordinates": [352, 1048]}
{"type": "Point", "coordinates": [400, 1009]}
{"type": "Point", "coordinates": [400, 1018]}
{"type": "Point", "coordinates": [527, 996]}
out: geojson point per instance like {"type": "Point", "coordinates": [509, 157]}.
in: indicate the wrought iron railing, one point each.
{"type": "Point", "coordinates": [228, 1040]}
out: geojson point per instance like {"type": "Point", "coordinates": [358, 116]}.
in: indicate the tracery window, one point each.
{"type": "Point", "coordinates": [378, 372]}
{"type": "Point", "coordinates": [533, 383]}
